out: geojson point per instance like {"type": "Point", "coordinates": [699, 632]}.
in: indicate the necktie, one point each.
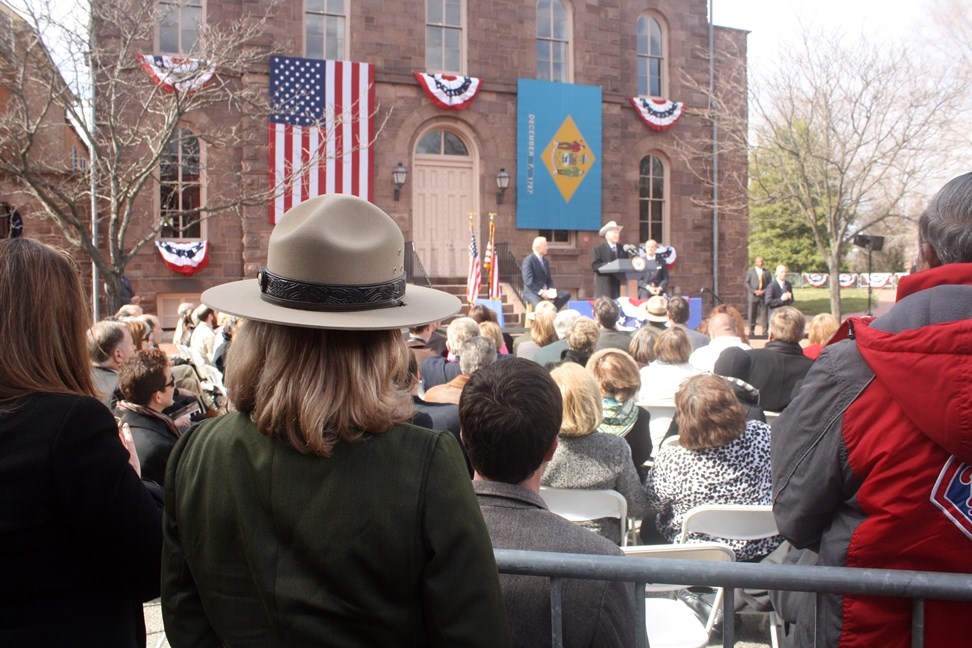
{"type": "Point", "coordinates": [760, 273]}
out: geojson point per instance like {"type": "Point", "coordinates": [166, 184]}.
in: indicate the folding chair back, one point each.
{"type": "Point", "coordinates": [578, 505]}
{"type": "Point", "coordinates": [730, 521]}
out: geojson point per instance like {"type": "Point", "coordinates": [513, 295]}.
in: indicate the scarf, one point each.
{"type": "Point", "coordinates": [127, 406]}
{"type": "Point", "coordinates": [619, 418]}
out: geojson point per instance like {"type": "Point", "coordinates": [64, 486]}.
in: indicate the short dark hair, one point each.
{"type": "Point", "coordinates": [142, 375]}
{"type": "Point", "coordinates": [606, 312]}
{"type": "Point", "coordinates": [104, 337]}
{"type": "Point", "coordinates": [678, 310]}
{"type": "Point", "coordinates": [510, 413]}
{"type": "Point", "coordinates": [709, 413]}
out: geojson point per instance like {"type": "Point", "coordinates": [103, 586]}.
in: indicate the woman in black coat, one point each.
{"type": "Point", "coordinates": [80, 535]}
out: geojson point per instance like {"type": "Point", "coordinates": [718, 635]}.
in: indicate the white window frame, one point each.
{"type": "Point", "coordinates": [664, 200]}
{"type": "Point", "coordinates": [551, 41]}
{"type": "Point", "coordinates": [176, 7]}
{"type": "Point", "coordinates": [181, 184]}
{"type": "Point", "coordinates": [344, 54]}
{"type": "Point", "coordinates": [662, 58]}
{"type": "Point", "coordinates": [440, 66]}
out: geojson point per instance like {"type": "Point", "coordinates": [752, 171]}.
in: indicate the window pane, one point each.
{"type": "Point", "coordinates": [543, 19]}
{"type": "Point", "coordinates": [656, 38]}
{"type": "Point", "coordinates": [190, 28]}
{"type": "Point", "coordinates": [335, 38]}
{"type": "Point", "coordinates": [560, 61]}
{"type": "Point", "coordinates": [454, 145]}
{"type": "Point", "coordinates": [431, 143]}
{"type": "Point", "coordinates": [642, 75]}
{"type": "Point", "coordinates": [543, 60]}
{"type": "Point", "coordinates": [658, 187]}
{"type": "Point", "coordinates": [645, 166]}
{"type": "Point", "coordinates": [453, 13]}
{"type": "Point", "coordinates": [642, 29]}
{"type": "Point", "coordinates": [657, 168]}
{"type": "Point", "coordinates": [315, 6]}
{"type": "Point", "coordinates": [314, 37]}
{"type": "Point", "coordinates": [655, 77]}
{"type": "Point", "coordinates": [559, 20]}
{"type": "Point", "coordinates": [335, 7]}
{"type": "Point", "coordinates": [169, 33]}
{"type": "Point", "coordinates": [434, 10]}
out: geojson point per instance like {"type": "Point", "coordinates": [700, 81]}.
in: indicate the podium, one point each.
{"type": "Point", "coordinates": [631, 270]}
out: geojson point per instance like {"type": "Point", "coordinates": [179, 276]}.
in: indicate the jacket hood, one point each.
{"type": "Point", "coordinates": [928, 371]}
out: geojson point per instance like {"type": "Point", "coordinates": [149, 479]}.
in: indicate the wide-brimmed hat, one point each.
{"type": "Point", "coordinates": [334, 262]}
{"type": "Point", "coordinates": [656, 309]}
{"type": "Point", "coordinates": [610, 225]}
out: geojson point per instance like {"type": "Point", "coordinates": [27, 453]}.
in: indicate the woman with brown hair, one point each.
{"type": "Point", "coordinates": [720, 459]}
{"type": "Point", "coordinates": [589, 459]}
{"type": "Point", "coordinates": [661, 378]}
{"type": "Point", "coordinates": [79, 532]}
{"type": "Point", "coordinates": [314, 514]}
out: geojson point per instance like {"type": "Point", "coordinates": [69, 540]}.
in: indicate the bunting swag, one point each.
{"type": "Point", "coordinates": [847, 279]}
{"type": "Point", "coordinates": [185, 258]}
{"type": "Point", "coordinates": [658, 114]}
{"type": "Point", "coordinates": [175, 73]}
{"type": "Point", "coordinates": [816, 279]}
{"type": "Point", "coordinates": [667, 252]}
{"type": "Point", "coordinates": [447, 91]}
{"type": "Point", "coordinates": [876, 279]}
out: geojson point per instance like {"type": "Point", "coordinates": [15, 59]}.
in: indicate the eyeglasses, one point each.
{"type": "Point", "coordinates": [171, 382]}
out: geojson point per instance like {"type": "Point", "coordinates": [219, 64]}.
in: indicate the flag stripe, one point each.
{"type": "Point", "coordinates": [320, 130]}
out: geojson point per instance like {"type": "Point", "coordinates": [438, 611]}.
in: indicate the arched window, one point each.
{"type": "Point", "coordinates": [651, 57]}
{"type": "Point", "coordinates": [179, 26]}
{"type": "Point", "coordinates": [651, 199]}
{"type": "Point", "coordinates": [441, 142]}
{"type": "Point", "coordinates": [324, 29]}
{"type": "Point", "coordinates": [180, 186]}
{"type": "Point", "coordinates": [553, 41]}
{"type": "Point", "coordinates": [443, 36]}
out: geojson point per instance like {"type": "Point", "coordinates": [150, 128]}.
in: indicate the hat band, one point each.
{"type": "Point", "coordinates": [304, 295]}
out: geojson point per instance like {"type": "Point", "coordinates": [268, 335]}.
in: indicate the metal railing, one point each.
{"type": "Point", "coordinates": [915, 585]}
{"type": "Point", "coordinates": [510, 268]}
{"type": "Point", "coordinates": [414, 270]}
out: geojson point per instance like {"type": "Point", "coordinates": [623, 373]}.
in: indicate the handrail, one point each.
{"type": "Point", "coordinates": [510, 268]}
{"type": "Point", "coordinates": [916, 585]}
{"type": "Point", "coordinates": [414, 270]}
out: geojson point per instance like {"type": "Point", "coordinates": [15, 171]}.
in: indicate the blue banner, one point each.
{"type": "Point", "coordinates": [558, 169]}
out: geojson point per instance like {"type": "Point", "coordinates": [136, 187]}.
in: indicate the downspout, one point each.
{"type": "Point", "coordinates": [92, 171]}
{"type": "Point", "coordinates": [715, 152]}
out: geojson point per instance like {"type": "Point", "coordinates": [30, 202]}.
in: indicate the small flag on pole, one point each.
{"type": "Point", "coordinates": [474, 278]}
{"type": "Point", "coordinates": [494, 283]}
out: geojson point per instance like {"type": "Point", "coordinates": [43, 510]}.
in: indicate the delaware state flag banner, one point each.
{"type": "Point", "coordinates": [558, 165]}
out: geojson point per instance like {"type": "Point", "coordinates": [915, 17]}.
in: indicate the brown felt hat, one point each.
{"type": "Point", "coordinates": [656, 309]}
{"type": "Point", "coordinates": [334, 262]}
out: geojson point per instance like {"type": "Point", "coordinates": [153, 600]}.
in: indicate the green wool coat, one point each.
{"type": "Point", "coordinates": [381, 544]}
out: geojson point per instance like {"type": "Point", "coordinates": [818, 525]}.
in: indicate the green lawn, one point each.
{"type": "Point", "coordinates": [812, 301]}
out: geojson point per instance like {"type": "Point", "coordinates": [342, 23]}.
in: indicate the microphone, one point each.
{"type": "Point", "coordinates": [630, 249]}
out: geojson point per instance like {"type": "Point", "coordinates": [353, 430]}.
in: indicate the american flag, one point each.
{"type": "Point", "coordinates": [474, 278]}
{"type": "Point", "coordinates": [320, 130]}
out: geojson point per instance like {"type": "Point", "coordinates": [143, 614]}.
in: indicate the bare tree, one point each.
{"type": "Point", "coordinates": [848, 133]}
{"type": "Point", "coordinates": [135, 122]}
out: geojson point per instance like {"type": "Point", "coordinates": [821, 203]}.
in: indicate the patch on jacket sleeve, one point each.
{"type": "Point", "coordinates": [953, 494]}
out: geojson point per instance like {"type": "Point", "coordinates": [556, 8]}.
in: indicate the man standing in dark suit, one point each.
{"type": "Point", "coordinates": [757, 280]}
{"type": "Point", "coordinates": [537, 282]}
{"type": "Point", "coordinates": [778, 369]}
{"type": "Point", "coordinates": [608, 285]}
{"type": "Point", "coordinates": [779, 292]}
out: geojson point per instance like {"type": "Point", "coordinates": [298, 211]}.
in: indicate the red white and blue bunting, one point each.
{"type": "Point", "coordinates": [185, 258]}
{"type": "Point", "coordinates": [658, 114]}
{"type": "Point", "coordinates": [448, 91]}
{"type": "Point", "coordinates": [174, 73]}
{"type": "Point", "coordinates": [816, 279]}
{"type": "Point", "coordinates": [667, 252]}
{"type": "Point", "coordinates": [876, 279]}
{"type": "Point", "coordinates": [847, 279]}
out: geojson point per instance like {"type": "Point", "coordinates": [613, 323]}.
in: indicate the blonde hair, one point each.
{"type": "Point", "coordinates": [583, 335]}
{"type": "Point", "coordinates": [822, 328]}
{"type": "Point", "coordinates": [44, 322]}
{"type": "Point", "coordinates": [315, 387]}
{"type": "Point", "coordinates": [493, 332]}
{"type": "Point", "coordinates": [786, 324]}
{"type": "Point", "coordinates": [616, 374]}
{"type": "Point", "coordinates": [642, 346]}
{"type": "Point", "coordinates": [543, 332]}
{"type": "Point", "coordinates": [582, 400]}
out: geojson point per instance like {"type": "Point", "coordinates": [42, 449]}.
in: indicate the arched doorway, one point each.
{"type": "Point", "coordinates": [444, 193]}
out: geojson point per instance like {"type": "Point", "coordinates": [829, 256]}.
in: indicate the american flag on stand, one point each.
{"type": "Point", "coordinates": [320, 130]}
{"type": "Point", "coordinates": [474, 278]}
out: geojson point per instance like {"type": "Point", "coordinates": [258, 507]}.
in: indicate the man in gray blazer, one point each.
{"type": "Point", "coordinates": [510, 414]}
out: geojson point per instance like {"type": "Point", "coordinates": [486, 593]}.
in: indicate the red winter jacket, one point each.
{"type": "Point", "coordinates": [872, 462]}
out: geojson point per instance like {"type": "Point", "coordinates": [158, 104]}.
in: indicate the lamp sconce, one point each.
{"type": "Point", "coordinates": [502, 184]}
{"type": "Point", "coordinates": [399, 173]}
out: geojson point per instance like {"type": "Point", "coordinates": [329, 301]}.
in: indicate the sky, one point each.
{"type": "Point", "coordinates": [772, 23]}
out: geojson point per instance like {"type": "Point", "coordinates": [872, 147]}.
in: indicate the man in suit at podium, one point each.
{"type": "Point", "coordinates": [758, 279]}
{"type": "Point", "coordinates": [608, 285]}
{"type": "Point", "coordinates": [537, 282]}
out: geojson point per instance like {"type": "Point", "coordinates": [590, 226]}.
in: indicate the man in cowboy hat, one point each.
{"type": "Point", "coordinates": [608, 285]}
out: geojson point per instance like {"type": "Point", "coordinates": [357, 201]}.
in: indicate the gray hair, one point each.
{"type": "Point", "coordinates": [564, 320]}
{"type": "Point", "coordinates": [946, 224]}
{"type": "Point", "coordinates": [460, 330]}
{"type": "Point", "coordinates": [476, 353]}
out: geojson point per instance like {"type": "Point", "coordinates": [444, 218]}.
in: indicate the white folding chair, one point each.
{"type": "Point", "coordinates": [578, 505]}
{"type": "Point", "coordinates": [669, 622]}
{"type": "Point", "coordinates": [732, 522]}
{"type": "Point", "coordinates": [661, 419]}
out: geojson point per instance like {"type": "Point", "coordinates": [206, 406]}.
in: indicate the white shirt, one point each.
{"type": "Point", "coordinates": [704, 358]}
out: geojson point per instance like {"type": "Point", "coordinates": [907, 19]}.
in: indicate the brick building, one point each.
{"type": "Point", "coordinates": [649, 183]}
